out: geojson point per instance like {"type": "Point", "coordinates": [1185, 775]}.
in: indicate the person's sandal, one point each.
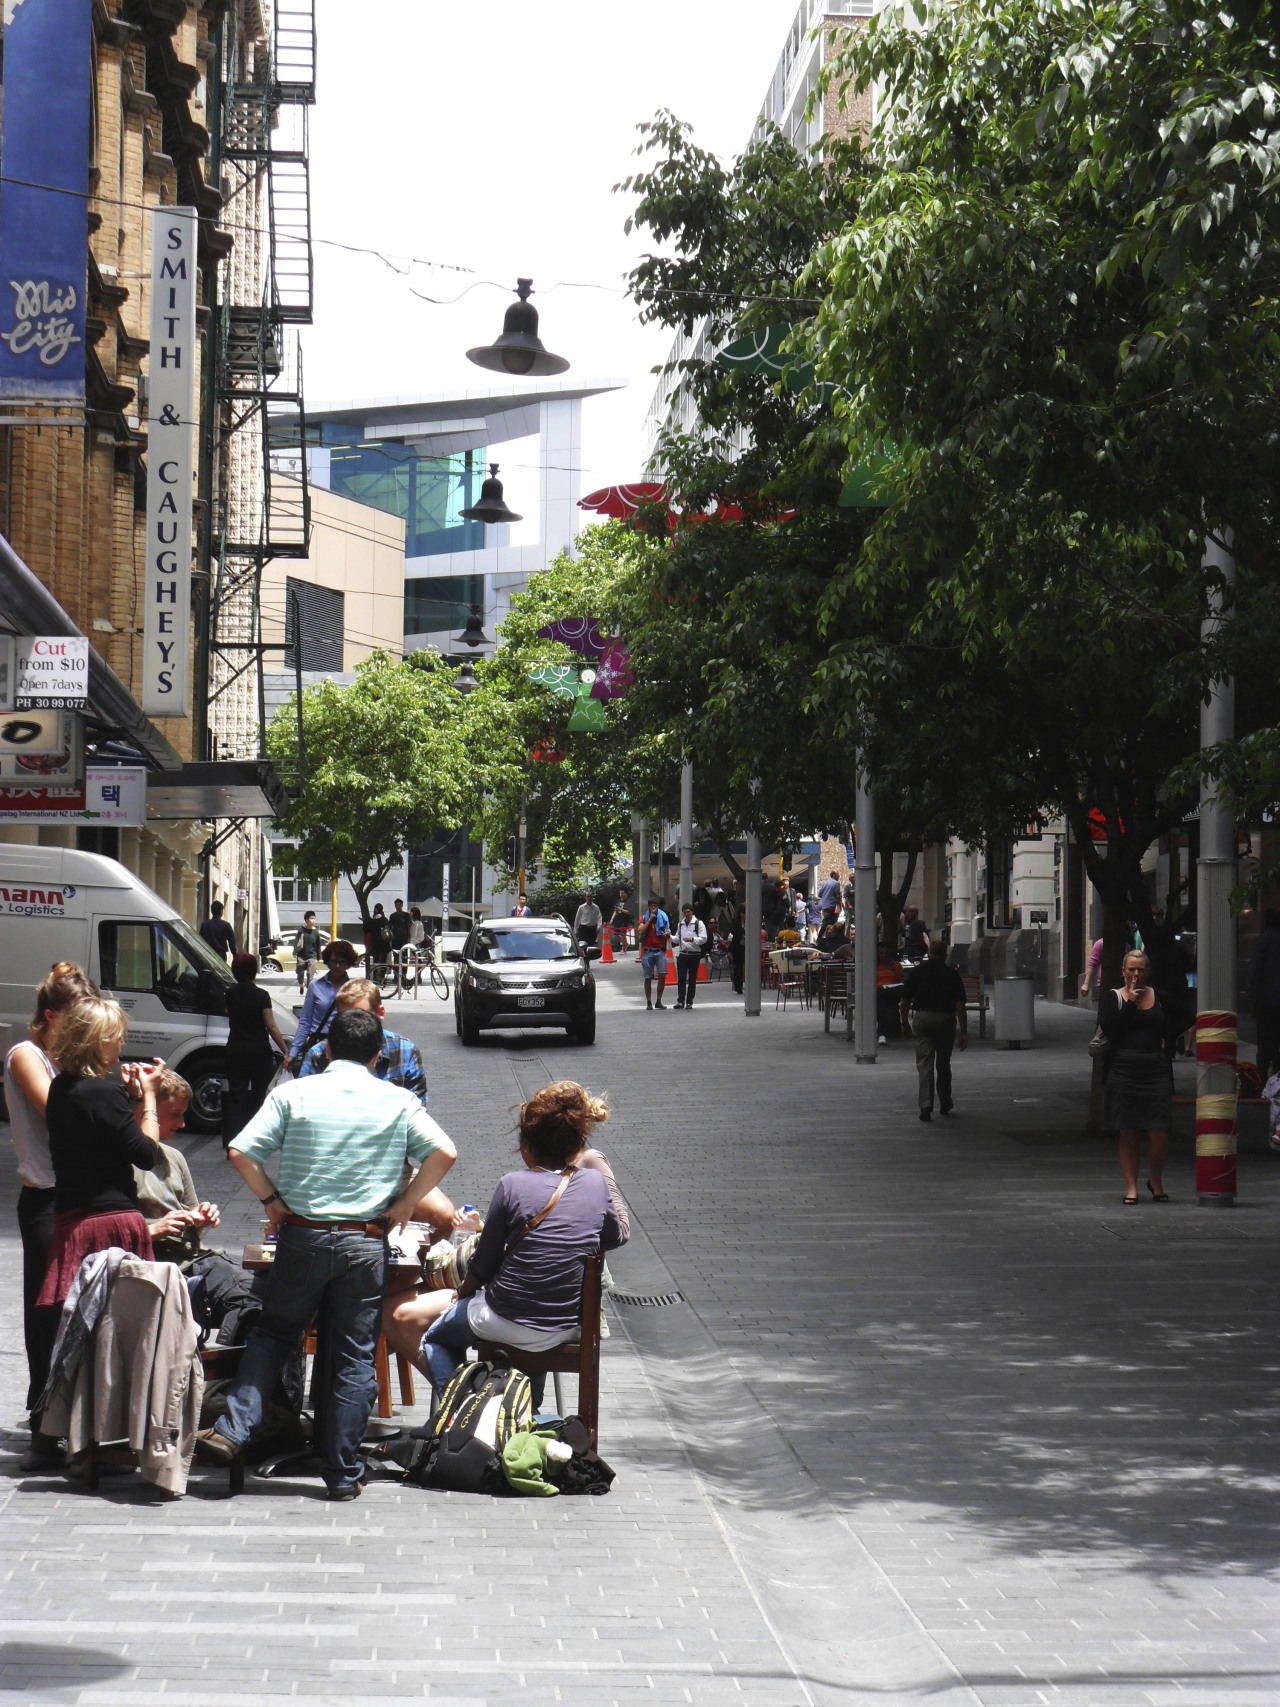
{"type": "Point", "coordinates": [1130, 1202]}
{"type": "Point", "coordinates": [1160, 1196]}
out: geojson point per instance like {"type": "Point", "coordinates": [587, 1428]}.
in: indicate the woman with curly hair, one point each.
{"type": "Point", "coordinates": [524, 1285]}
{"type": "Point", "coordinates": [28, 1073]}
{"type": "Point", "coordinates": [96, 1141]}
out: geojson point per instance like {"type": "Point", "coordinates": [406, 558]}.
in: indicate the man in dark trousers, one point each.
{"type": "Point", "coordinates": [932, 1008]}
{"type": "Point", "coordinates": [337, 1142]}
{"type": "Point", "coordinates": [218, 933]}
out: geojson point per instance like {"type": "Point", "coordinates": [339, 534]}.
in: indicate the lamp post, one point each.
{"type": "Point", "coordinates": [751, 926]}
{"type": "Point", "coordinates": [866, 1029]}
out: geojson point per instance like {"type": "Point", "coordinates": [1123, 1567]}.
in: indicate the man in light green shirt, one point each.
{"type": "Point", "coordinates": [337, 1143]}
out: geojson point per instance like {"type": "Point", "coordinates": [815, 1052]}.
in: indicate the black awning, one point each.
{"type": "Point", "coordinates": [30, 608]}
{"type": "Point", "coordinates": [225, 788]}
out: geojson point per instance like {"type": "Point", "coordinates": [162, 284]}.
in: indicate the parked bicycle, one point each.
{"type": "Point", "coordinates": [410, 966]}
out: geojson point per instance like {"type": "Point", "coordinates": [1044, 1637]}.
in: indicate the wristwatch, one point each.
{"type": "Point", "coordinates": [274, 1198]}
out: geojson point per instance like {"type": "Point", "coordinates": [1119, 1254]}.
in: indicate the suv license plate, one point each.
{"type": "Point", "coordinates": [531, 1001]}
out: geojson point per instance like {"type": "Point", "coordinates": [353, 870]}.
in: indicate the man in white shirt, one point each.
{"type": "Point", "coordinates": [587, 921]}
{"type": "Point", "coordinates": [689, 939]}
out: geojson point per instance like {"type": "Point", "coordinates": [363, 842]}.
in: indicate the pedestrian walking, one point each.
{"type": "Point", "coordinates": [218, 933]}
{"type": "Point", "coordinates": [306, 951]}
{"type": "Point", "coordinates": [317, 1011]}
{"type": "Point", "coordinates": [251, 1030]}
{"type": "Point", "coordinates": [587, 921]}
{"type": "Point", "coordinates": [338, 1141]}
{"type": "Point", "coordinates": [829, 896]}
{"type": "Point", "coordinates": [690, 945]}
{"type": "Point", "coordinates": [738, 947]}
{"type": "Point", "coordinates": [1264, 989]}
{"type": "Point", "coordinates": [523, 909]}
{"type": "Point", "coordinates": [655, 934]}
{"type": "Point", "coordinates": [1137, 1072]}
{"type": "Point", "coordinates": [932, 1009]}
{"type": "Point", "coordinates": [915, 936]}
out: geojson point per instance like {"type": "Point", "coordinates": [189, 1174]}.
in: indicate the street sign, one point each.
{"type": "Point", "coordinates": [444, 899]}
{"type": "Point", "coordinates": [50, 671]}
{"type": "Point", "coordinates": [109, 794]}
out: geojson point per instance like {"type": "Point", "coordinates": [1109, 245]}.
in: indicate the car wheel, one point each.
{"type": "Point", "coordinates": [468, 1030]}
{"type": "Point", "coordinates": [585, 1030]}
{"type": "Point", "coordinates": [272, 966]}
{"type": "Point", "coordinates": [457, 1018]}
{"type": "Point", "coordinates": [205, 1074]}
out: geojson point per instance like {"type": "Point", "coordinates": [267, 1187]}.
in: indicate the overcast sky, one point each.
{"type": "Point", "coordinates": [487, 138]}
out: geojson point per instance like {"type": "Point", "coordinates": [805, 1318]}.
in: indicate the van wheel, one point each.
{"type": "Point", "coordinates": [206, 1075]}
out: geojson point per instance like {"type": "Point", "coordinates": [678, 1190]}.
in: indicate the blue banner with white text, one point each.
{"type": "Point", "coordinates": [44, 210]}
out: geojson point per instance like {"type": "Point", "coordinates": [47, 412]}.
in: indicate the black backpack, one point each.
{"type": "Point", "coordinates": [461, 1447]}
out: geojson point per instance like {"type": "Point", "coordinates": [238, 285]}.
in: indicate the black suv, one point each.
{"type": "Point", "coordinates": [524, 972]}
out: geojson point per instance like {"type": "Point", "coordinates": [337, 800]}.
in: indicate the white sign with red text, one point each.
{"type": "Point", "coordinates": [50, 671]}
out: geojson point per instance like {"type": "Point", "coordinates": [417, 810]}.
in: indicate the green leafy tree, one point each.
{"type": "Point", "coordinates": [388, 761]}
{"type": "Point", "coordinates": [1058, 302]}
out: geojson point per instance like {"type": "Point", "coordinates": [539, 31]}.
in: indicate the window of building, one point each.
{"type": "Point", "coordinates": [311, 891]}
{"type": "Point", "coordinates": [433, 603]}
{"type": "Point", "coordinates": [318, 614]}
{"type": "Point", "coordinates": [428, 493]}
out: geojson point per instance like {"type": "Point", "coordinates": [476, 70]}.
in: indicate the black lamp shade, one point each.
{"type": "Point", "coordinates": [519, 350]}
{"type": "Point", "coordinates": [491, 508]}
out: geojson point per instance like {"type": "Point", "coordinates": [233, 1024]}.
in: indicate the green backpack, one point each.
{"type": "Point", "coordinates": [479, 1411]}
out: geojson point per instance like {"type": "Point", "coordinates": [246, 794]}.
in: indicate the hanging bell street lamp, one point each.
{"type": "Point", "coordinates": [519, 351]}
{"type": "Point", "coordinates": [491, 507]}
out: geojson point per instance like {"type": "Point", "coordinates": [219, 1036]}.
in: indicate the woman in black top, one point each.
{"type": "Point", "coordinates": [1138, 1072]}
{"type": "Point", "coordinates": [95, 1142]}
{"type": "Point", "coordinates": [250, 1062]}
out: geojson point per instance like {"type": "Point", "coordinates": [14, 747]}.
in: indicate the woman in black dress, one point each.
{"type": "Point", "coordinates": [252, 1029]}
{"type": "Point", "coordinates": [1138, 1072]}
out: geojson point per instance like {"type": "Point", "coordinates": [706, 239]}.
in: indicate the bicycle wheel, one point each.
{"type": "Point", "coordinates": [439, 983]}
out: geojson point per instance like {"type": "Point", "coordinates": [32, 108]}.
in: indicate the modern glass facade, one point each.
{"type": "Point", "coordinates": [426, 492]}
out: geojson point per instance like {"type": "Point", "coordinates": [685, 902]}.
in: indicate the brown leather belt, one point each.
{"type": "Point", "coordinates": [371, 1229]}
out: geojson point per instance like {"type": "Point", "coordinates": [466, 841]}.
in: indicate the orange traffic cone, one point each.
{"type": "Point", "coordinates": [606, 953]}
{"type": "Point", "coordinates": [671, 966]}
{"type": "Point", "coordinates": [704, 977]}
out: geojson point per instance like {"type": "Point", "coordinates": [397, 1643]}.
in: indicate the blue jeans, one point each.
{"type": "Point", "coordinates": [447, 1341]}
{"type": "Point", "coordinates": [340, 1276]}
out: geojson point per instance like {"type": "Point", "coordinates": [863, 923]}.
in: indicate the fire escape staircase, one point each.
{"type": "Point", "coordinates": [258, 352]}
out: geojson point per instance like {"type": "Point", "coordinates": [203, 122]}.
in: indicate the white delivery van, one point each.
{"type": "Point", "coordinates": [60, 904]}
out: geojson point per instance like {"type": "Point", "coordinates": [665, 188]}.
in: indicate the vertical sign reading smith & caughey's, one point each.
{"type": "Point", "coordinates": [171, 395]}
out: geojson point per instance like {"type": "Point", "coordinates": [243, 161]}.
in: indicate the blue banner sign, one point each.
{"type": "Point", "coordinates": [44, 209]}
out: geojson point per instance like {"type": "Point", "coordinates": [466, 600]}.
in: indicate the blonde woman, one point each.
{"type": "Point", "coordinates": [95, 1141]}
{"type": "Point", "coordinates": [524, 1284]}
{"type": "Point", "coordinates": [28, 1073]}
{"type": "Point", "coordinates": [1137, 1082]}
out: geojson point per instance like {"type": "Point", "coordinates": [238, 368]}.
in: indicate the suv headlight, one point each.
{"type": "Point", "coordinates": [574, 981]}
{"type": "Point", "coordinates": [483, 981]}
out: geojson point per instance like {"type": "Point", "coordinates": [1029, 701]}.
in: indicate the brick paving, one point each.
{"type": "Point", "coordinates": [912, 1414]}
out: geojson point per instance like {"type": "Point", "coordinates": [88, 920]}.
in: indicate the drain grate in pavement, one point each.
{"type": "Point", "coordinates": [654, 1301]}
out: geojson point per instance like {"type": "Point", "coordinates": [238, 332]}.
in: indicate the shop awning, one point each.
{"type": "Point", "coordinates": [224, 788]}
{"type": "Point", "coordinates": [28, 607]}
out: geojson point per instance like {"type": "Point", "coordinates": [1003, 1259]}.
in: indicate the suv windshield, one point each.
{"type": "Point", "coordinates": [499, 945]}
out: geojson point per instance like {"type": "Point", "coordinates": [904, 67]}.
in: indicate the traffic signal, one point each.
{"type": "Point", "coordinates": [511, 853]}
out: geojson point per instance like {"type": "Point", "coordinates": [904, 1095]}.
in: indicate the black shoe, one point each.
{"type": "Point", "coordinates": [679, 1004]}
{"type": "Point", "coordinates": [946, 1107]}
{"type": "Point", "coordinates": [44, 1453]}
{"type": "Point", "coordinates": [352, 1491]}
{"type": "Point", "coordinates": [926, 1114]}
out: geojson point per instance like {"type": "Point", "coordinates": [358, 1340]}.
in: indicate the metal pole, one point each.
{"type": "Point", "coordinates": [866, 1030]}
{"type": "Point", "coordinates": [522, 831]}
{"type": "Point", "coordinates": [1216, 1022]}
{"type": "Point", "coordinates": [751, 939]}
{"type": "Point", "coordinates": [686, 833]}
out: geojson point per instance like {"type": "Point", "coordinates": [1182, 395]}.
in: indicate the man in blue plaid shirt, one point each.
{"type": "Point", "coordinates": [400, 1061]}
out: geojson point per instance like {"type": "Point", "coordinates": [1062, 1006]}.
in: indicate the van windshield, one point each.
{"type": "Point", "coordinates": [199, 951]}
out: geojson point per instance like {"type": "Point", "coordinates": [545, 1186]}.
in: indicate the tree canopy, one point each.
{"type": "Point", "coordinates": [388, 762]}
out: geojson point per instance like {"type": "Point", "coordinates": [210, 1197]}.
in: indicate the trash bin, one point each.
{"type": "Point", "coordinates": [1013, 1012]}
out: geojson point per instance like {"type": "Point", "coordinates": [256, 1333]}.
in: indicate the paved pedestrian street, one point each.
{"type": "Point", "coordinates": [899, 1413]}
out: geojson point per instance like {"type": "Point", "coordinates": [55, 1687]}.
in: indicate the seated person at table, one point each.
{"type": "Point", "coordinates": [832, 937]}
{"type": "Point", "coordinates": [524, 1286]}
{"type": "Point", "coordinates": [889, 976]}
{"type": "Point", "coordinates": [176, 1216]}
